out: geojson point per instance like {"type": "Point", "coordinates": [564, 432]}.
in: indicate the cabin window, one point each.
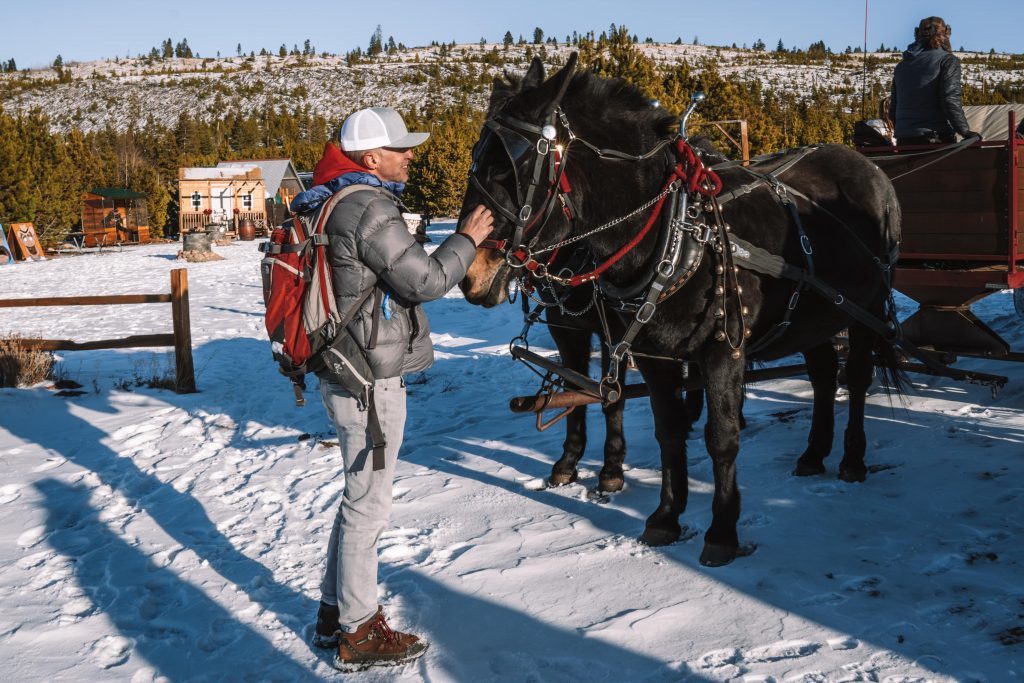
{"type": "Point", "coordinates": [247, 201]}
{"type": "Point", "coordinates": [197, 200]}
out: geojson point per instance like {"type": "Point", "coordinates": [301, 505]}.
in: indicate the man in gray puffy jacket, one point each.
{"type": "Point", "coordinates": [926, 102]}
{"type": "Point", "coordinates": [370, 244]}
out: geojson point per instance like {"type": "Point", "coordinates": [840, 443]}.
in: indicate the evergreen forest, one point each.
{"type": "Point", "coordinates": [43, 173]}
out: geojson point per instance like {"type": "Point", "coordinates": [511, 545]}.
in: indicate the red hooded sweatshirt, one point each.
{"type": "Point", "coordinates": [334, 164]}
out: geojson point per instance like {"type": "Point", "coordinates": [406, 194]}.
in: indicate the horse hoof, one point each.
{"type": "Point", "coordinates": [656, 537]}
{"type": "Point", "coordinates": [611, 485]}
{"type": "Point", "coordinates": [853, 475]}
{"type": "Point", "coordinates": [806, 469]}
{"type": "Point", "coordinates": [563, 478]}
{"type": "Point", "coordinates": [717, 555]}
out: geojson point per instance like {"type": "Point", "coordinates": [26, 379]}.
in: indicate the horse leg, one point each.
{"type": "Point", "coordinates": [694, 398]}
{"type": "Point", "coordinates": [723, 378]}
{"type": "Point", "coordinates": [574, 349]}
{"type": "Point", "coordinates": [611, 478]}
{"type": "Point", "coordinates": [822, 366]}
{"type": "Point", "coordinates": [859, 371]}
{"type": "Point", "coordinates": [671, 426]}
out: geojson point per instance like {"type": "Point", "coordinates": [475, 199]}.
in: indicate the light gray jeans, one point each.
{"type": "Point", "coordinates": [350, 580]}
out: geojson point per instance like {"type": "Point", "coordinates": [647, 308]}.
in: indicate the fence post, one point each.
{"type": "Point", "coordinates": [185, 380]}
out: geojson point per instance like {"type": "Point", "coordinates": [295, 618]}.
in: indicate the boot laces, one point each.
{"type": "Point", "coordinates": [385, 631]}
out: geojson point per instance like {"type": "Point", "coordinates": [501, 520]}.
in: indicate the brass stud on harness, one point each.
{"type": "Point", "coordinates": [719, 269]}
{"type": "Point", "coordinates": [739, 290]}
{"type": "Point", "coordinates": [719, 313]}
{"type": "Point", "coordinates": [745, 310]}
{"type": "Point", "coordinates": [719, 290]}
{"type": "Point", "coordinates": [747, 333]}
{"type": "Point", "coordinates": [735, 354]}
{"type": "Point", "coordinates": [720, 335]}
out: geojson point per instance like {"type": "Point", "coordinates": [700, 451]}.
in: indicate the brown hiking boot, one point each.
{"type": "Point", "coordinates": [375, 644]}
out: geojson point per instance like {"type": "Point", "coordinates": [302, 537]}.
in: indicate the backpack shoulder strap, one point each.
{"type": "Point", "coordinates": [327, 208]}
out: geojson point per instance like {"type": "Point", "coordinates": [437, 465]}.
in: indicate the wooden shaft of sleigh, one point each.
{"type": "Point", "coordinates": [572, 399]}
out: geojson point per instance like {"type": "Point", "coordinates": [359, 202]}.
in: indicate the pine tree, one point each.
{"type": "Point", "coordinates": [507, 40]}
{"type": "Point", "coordinates": [168, 49]}
{"type": "Point", "coordinates": [376, 43]}
{"type": "Point", "coordinates": [282, 51]}
{"type": "Point", "coordinates": [538, 36]}
{"type": "Point", "coordinates": [437, 175]}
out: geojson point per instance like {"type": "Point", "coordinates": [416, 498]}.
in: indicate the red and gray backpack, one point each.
{"type": "Point", "coordinates": [307, 332]}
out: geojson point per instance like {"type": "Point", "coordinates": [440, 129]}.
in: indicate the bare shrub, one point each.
{"type": "Point", "coordinates": [160, 374]}
{"type": "Point", "coordinates": [21, 366]}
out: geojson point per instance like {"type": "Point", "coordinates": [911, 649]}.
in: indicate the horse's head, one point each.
{"type": "Point", "coordinates": [514, 174]}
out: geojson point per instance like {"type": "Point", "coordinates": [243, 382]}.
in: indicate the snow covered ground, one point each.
{"type": "Point", "coordinates": [150, 536]}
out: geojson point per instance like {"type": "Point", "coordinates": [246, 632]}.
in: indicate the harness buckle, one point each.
{"type": "Point", "coordinates": [805, 244]}
{"type": "Point", "coordinates": [793, 300]}
{"type": "Point", "coordinates": [543, 146]}
{"type": "Point", "coordinates": [666, 268]}
{"type": "Point", "coordinates": [565, 123]}
{"type": "Point", "coordinates": [525, 212]}
{"type": "Point", "coordinates": [645, 313]}
{"type": "Point", "coordinates": [702, 233]}
{"type": "Point", "coordinates": [620, 351]}
{"type": "Point", "coordinates": [512, 256]}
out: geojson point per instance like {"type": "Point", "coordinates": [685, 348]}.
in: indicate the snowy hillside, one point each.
{"type": "Point", "coordinates": [149, 536]}
{"type": "Point", "coordinates": [126, 91]}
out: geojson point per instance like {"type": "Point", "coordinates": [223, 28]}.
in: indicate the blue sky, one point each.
{"type": "Point", "coordinates": [37, 31]}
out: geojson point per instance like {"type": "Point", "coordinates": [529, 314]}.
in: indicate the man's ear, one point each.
{"type": "Point", "coordinates": [371, 160]}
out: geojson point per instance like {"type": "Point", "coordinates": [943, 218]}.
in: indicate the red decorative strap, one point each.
{"type": "Point", "coordinates": [690, 171]}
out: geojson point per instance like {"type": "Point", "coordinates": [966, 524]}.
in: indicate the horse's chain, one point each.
{"type": "Point", "coordinates": [673, 187]}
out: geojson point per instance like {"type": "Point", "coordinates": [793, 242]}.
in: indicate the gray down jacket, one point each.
{"type": "Point", "coordinates": [369, 242]}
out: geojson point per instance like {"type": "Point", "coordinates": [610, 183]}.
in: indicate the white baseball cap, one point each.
{"type": "Point", "coordinates": [377, 127]}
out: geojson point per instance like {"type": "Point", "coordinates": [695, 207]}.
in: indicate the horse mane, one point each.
{"type": "Point", "coordinates": [608, 103]}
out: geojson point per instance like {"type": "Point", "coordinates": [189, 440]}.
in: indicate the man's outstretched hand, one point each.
{"type": "Point", "coordinates": [478, 224]}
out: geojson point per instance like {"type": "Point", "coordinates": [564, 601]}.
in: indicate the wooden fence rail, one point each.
{"type": "Point", "coordinates": [180, 339]}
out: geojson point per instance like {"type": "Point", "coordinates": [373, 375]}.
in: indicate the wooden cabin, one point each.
{"type": "Point", "coordinates": [114, 215]}
{"type": "Point", "coordinates": [282, 183]}
{"type": "Point", "coordinates": [225, 196]}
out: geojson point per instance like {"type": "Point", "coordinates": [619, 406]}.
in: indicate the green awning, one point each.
{"type": "Point", "coordinates": [116, 193]}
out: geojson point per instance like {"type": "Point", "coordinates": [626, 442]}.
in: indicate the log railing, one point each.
{"type": "Point", "coordinates": [180, 338]}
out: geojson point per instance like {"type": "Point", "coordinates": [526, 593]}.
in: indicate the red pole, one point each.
{"type": "Point", "coordinates": [1012, 151]}
{"type": "Point", "coordinates": [864, 85]}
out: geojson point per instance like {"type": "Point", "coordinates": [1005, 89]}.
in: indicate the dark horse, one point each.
{"type": "Point", "coordinates": [793, 251]}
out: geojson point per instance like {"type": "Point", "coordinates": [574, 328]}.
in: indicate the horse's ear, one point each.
{"type": "Point", "coordinates": [534, 75]}
{"type": "Point", "coordinates": [564, 77]}
{"type": "Point", "coordinates": [542, 101]}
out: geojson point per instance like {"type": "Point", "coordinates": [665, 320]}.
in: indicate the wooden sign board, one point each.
{"type": "Point", "coordinates": [6, 255]}
{"type": "Point", "coordinates": [24, 235]}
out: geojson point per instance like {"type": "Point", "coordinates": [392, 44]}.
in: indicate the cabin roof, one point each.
{"type": "Point", "coordinates": [116, 193]}
{"type": "Point", "coordinates": [274, 171]}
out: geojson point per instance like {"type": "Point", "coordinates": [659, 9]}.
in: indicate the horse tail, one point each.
{"type": "Point", "coordinates": [894, 379]}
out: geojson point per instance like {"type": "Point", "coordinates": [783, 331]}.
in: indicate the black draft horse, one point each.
{"type": "Point", "coordinates": [826, 211]}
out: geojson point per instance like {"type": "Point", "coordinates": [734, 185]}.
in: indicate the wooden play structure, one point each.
{"type": "Point", "coordinates": [112, 215]}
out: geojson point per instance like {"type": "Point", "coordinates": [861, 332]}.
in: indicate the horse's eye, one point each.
{"type": "Point", "coordinates": [499, 176]}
